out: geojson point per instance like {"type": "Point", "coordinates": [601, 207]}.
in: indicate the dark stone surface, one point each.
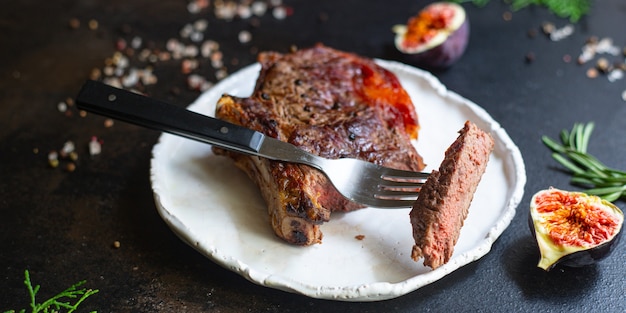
{"type": "Point", "coordinates": [61, 225]}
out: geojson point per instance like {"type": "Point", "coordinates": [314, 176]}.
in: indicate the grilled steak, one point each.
{"type": "Point", "coordinates": [330, 103]}
{"type": "Point", "coordinates": [443, 202]}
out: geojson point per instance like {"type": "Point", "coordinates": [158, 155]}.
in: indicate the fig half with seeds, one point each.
{"type": "Point", "coordinates": [573, 228]}
{"type": "Point", "coordinates": [436, 37]}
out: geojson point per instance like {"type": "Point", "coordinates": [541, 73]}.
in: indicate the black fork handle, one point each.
{"type": "Point", "coordinates": [140, 110]}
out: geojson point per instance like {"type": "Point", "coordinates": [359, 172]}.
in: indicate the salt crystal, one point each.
{"type": "Point", "coordinates": [216, 59]}
{"type": "Point", "coordinates": [148, 78]}
{"type": "Point", "coordinates": [195, 81]}
{"type": "Point", "coordinates": [615, 74]}
{"type": "Point", "coordinates": [113, 82]}
{"type": "Point", "coordinates": [193, 7]}
{"type": "Point", "coordinates": [151, 80]}
{"type": "Point", "coordinates": [244, 36]}
{"type": "Point", "coordinates": [605, 45]}
{"type": "Point", "coordinates": [68, 148]}
{"type": "Point", "coordinates": [279, 13]}
{"type": "Point", "coordinates": [200, 25]}
{"type": "Point", "coordinates": [587, 54]}
{"type": "Point", "coordinates": [136, 42]}
{"type": "Point", "coordinates": [95, 147]}
{"type": "Point", "coordinates": [153, 58]}
{"type": "Point", "coordinates": [120, 60]}
{"type": "Point", "coordinates": [53, 159]}
{"type": "Point", "coordinates": [258, 8]}
{"type": "Point", "coordinates": [226, 11]}
{"type": "Point", "coordinates": [244, 11]}
{"type": "Point", "coordinates": [173, 44]}
{"type": "Point", "coordinates": [144, 55]}
{"type": "Point", "coordinates": [190, 51]}
{"type": "Point", "coordinates": [62, 106]}
{"type": "Point", "coordinates": [196, 36]}
{"type": "Point", "coordinates": [108, 70]}
{"type": "Point", "coordinates": [118, 72]}
{"type": "Point", "coordinates": [131, 79]}
{"type": "Point", "coordinates": [208, 47]}
{"type": "Point", "coordinates": [562, 33]}
{"type": "Point", "coordinates": [53, 155]}
{"type": "Point", "coordinates": [221, 74]}
{"type": "Point", "coordinates": [186, 31]}
{"type": "Point", "coordinates": [217, 63]}
{"type": "Point", "coordinates": [206, 85]}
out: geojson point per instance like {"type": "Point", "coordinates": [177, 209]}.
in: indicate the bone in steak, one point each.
{"type": "Point", "coordinates": [330, 103]}
{"type": "Point", "coordinates": [443, 202]}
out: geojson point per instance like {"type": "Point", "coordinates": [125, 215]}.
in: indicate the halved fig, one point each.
{"type": "Point", "coordinates": [436, 37]}
{"type": "Point", "coordinates": [573, 228]}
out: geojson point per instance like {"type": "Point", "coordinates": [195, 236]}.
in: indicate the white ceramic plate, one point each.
{"type": "Point", "coordinates": [217, 210]}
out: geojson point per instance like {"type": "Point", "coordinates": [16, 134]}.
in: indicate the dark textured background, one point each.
{"type": "Point", "coordinates": [61, 225]}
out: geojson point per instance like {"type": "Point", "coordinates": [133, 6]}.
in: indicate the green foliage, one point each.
{"type": "Point", "coordinates": [572, 9]}
{"type": "Point", "coordinates": [57, 303]}
{"type": "Point", "coordinates": [607, 183]}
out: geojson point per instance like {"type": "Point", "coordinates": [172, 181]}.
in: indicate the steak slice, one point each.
{"type": "Point", "coordinates": [443, 202]}
{"type": "Point", "coordinates": [330, 103]}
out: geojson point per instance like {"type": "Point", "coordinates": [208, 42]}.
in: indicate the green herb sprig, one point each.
{"type": "Point", "coordinates": [588, 171]}
{"type": "Point", "coordinates": [572, 9]}
{"type": "Point", "coordinates": [58, 302]}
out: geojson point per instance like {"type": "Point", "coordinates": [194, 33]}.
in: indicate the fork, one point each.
{"type": "Point", "coordinates": [362, 182]}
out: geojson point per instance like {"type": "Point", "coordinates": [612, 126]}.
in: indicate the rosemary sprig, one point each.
{"type": "Point", "coordinates": [58, 302]}
{"type": "Point", "coordinates": [572, 9]}
{"type": "Point", "coordinates": [587, 171]}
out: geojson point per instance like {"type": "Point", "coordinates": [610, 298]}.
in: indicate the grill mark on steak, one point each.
{"type": "Point", "coordinates": [330, 103]}
{"type": "Point", "coordinates": [443, 202]}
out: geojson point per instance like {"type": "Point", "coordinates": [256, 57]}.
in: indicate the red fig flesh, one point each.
{"type": "Point", "coordinates": [572, 228]}
{"type": "Point", "coordinates": [436, 37]}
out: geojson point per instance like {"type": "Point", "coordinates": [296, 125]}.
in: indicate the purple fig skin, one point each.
{"type": "Point", "coordinates": [446, 54]}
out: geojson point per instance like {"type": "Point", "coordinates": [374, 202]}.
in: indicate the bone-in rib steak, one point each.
{"type": "Point", "coordinates": [330, 103]}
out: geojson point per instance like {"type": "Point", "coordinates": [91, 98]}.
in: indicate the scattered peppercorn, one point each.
{"type": "Point", "coordinates": [507, 16]}
{"type": "Point", "coordinates": [93, 24]}
{"type": "Point", "coordinates": [70, 167]}
{"type": "Point", "coordinates": [74, 23]}
{"type": "Point", "coordinates": [592, 73]}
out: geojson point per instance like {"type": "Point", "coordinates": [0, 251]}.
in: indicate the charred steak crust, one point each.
{"type": "Point", "coordinates": [330, 103]}
{"type": "Point", "coordinates": [443, 203]}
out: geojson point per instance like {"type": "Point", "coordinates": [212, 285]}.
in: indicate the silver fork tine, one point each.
{"type": "Point", "coordinates": [393, 204]}
{"type": "Point", "coordinates": [396, 184]}
{"type": "Point", "coordinates": [374, 185]}
{"type": "Point", "coordinates": [396, 195]}
{"type": "Point", "coordinates": [402, 175]}
{"type": "Point", "coordinates": [399, 188]}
